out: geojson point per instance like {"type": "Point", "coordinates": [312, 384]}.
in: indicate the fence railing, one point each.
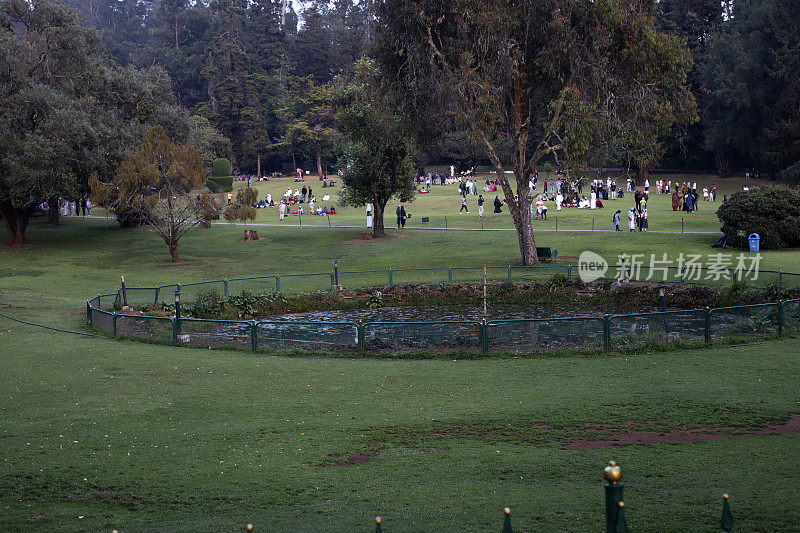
{"type": "Point", "coordinates": [536, 335]}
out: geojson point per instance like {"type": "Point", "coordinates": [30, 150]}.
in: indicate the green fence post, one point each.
{"type": "Point", "coordinates": [88, 313]}
{"type": "Point", "coordinates": [254, 335]}
{"type": "Point", "coordinates": [360, 334]}
{"type": "Point", "coordinates": [780, 276]}
{"type": "Point", "coordinates": [780, 318]}
{"type": "Point", "coordinates": [390, 277]}
{"type": "Point", "coordinates": [333, 282]}
{"type": "Point", "coordinates": [727, 516]}
{"type": "Point", "coordinates": [613, 488]}
{"type": "Point", "coordinates": [174, 331]}
{"type": "Point", "coordinates": [607, 333]}
{"type": "Point", "coordinates": [569, 271]}
{"type": "Point", "coordinates": [277, 283]}
{"type": "Point", "coordinates": [445, 222]}
{"type": "Point", "coordinates": [509, 272]}
{"type": "Point", "coordinates": [155, 298]}
{"type": "Point", "coordinates": [708, 325]}
{"type": "Point", "coordinates": [507, 521]}
{"type": "Point", "coordinates": [449, 274]}
{"type": "Point", "coordinates": [115, 324]}
{"type": "Point", "coordinates": [734, 275]}
{"type": "Point", "coordinates": [484, 337]}
{"type": "Point", "coordinates": [683, 271]}
{"type": "Point", "coordinates": [226, 287]}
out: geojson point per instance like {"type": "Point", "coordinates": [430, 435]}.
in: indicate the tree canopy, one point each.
{"type": "Point", "coordinates": [536, 79]}
{"type": "Point", "coordinates": [67, 110]}
{"type": "Point", "coordinates": [378, 155]}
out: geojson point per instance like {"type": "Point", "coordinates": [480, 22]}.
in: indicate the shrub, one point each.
{"type": "Point", "coordinates": [220, 184]}
{"type": "Point", "coordinates": [242, 207]}
{"type": "Point", "coordinates": [221, 168]}
{"type": "Point", "coordinates": [772, 212]}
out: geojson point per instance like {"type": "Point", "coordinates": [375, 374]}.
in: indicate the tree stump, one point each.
{"type": "Point", "coordinates": [366, 235]}
{"type": "Point", "coordinates": [250, 235]}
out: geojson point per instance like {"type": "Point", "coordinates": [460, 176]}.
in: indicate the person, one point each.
{"type": "Point", "coordinates": [83, 206]}
{"type": "Point", "coordinates": [637, 196]}
{"type": "Point", "coordinates": [644, 219]}
{"type": "Point", "coordinates": [89, 206]}
{"type": "Point", "coordinates": [403, 216]}
{"type": "Point", "coordinates": [713, 193]}
{"type": "Point", "coordinates": [463, 205]}
{"type": "Point", "coordinates": [631, 219]}
{"type": "Point", "coordinates": [398, 213]}
{"type": "Point", "coordinates": [615, 219]}
{"type": "Point", "coordinates": [230, 198]}
{"type": "Point", "coordinates": [497, 205]}
{"type": "Point", "coordinates": [675, 201]}
{"type": "Point", "coordinates": [369, 213]}
{"type": "Point", "coordinates": [304, 191]}
{"type": "Point", "coordinates": [282, 209]}
{"type": "Point", "coordinates": [480, 205]}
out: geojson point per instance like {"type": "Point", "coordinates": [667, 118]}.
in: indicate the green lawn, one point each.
{"type": "Point", "coordinates": [443, 203]}
{"type": "Point", "coordinates": [146, 437]}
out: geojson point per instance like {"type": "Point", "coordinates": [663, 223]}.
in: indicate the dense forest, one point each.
{"type": "Point", "coordinates": [251, 78]}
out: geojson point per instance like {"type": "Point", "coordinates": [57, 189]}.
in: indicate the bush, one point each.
{"type": "Point", "coordinates": [242, 210]}
{"type": "Point", "coordinates": [215, 184]}
{"type": "Point", "coordinates": [221, 168]}
{"type": "Point", "coordinates": [772, 212]}
{"type": "Point", "coordinates": [792, 174]}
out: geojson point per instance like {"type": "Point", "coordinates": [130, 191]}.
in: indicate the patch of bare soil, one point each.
{"type": "Point", "coordinates": [356, 458]}
{"type": "Point", "coordinates": [587, 436]}
{"type": "Point", "coordinates": [607, 437]}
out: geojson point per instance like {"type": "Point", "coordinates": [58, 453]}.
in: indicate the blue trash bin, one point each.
{"type": "Point", "coordinates": [755, 241]}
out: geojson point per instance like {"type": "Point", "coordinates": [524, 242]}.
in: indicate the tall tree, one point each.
{"type": "Point", "coordinates": [156, 183]}
{"type": "Point", "coordinates": [751, 70]}
{"type": "Point", "coordinates": [377, 161]}
{"type": "Point", "coordinates": [527, 75]}
{"type": "Point", "coordinates": [309, 121]}
{"type": "Point", "coordinates": [66, 110]}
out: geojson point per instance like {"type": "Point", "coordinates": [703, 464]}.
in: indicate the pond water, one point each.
{"type": "Point", "coordinates": [451, 313]}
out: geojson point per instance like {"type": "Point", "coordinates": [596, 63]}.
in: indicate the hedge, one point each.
{"type": "Point", "coordinates": [220, 184]}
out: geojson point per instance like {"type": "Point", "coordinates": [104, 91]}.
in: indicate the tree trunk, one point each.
{"type": "Point", "coordinates": [723, 161]}
{"type": "Point", "coordinates": [642, 174]}
{"type": "Point", "coordinates": [319, 160]}
{"type": "Point", "coordinates": [16, 222]}
{"type": "Point", "coordinates": [173, 251]}
{"type": "Point", "coordinates": [377, 218]}
{"type": "Point", "coordinates": [53, 212]}
{"type": "Point", "coordinates": [520, 214]}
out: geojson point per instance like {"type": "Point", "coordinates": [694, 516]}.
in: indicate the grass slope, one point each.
{"type": "Point", "coordinates": [176, 439]}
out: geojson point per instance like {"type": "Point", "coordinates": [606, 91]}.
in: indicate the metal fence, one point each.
{"type": "Point", "coordinates": [523, 336]}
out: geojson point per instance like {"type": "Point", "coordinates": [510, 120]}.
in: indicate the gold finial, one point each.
{"type": "Point", "coordinates": [114, 531]}
{"type": "Point", "coordinates": [612, 473]}
{"type": "Point", "coordinates": [621, 505]}
{"type": "Point", "coordinates": [726, 497]}
{"type": "Point", "coordinates": [378, 520]}
{"type": "Point", "coordinates": [507, 510]}
{"type": "Point", "coordinates": [250, 527]}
